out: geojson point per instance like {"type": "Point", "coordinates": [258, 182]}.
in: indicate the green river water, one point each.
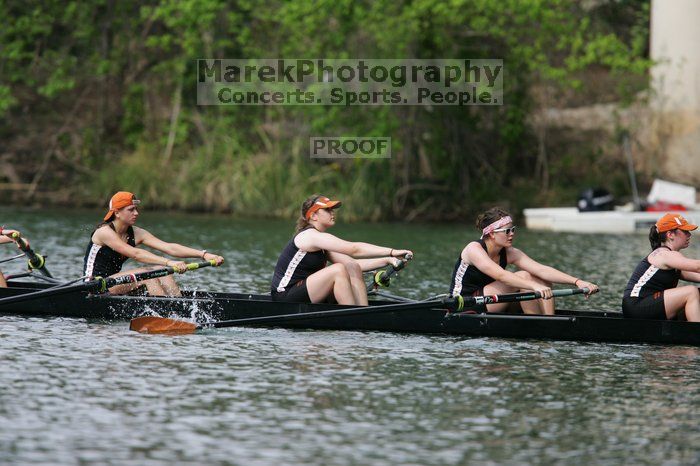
{"type": "Point", "coordinates": [87, 392]}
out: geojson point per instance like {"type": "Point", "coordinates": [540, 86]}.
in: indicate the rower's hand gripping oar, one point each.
{"type": "Point", "coordinates": [35, 261]}
{"type": "Point", "coordinates": [100, 284]}
{"type": "Point", "coordinates": [155, 324]}
{"type": "Point", "coordinates": [383, 277]}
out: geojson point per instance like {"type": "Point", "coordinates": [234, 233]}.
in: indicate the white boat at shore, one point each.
{"type": "Point", "coordinates": [569, 219]}
{"type": "Point", "coordinates": [623, 219]}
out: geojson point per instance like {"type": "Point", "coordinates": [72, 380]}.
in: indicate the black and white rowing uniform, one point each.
{"type": "Point", "coordinates": [644, 294]}
{"type": "Point", "coordinates": [293, 267]}
{"type": "Point", "coordinates": [103, 261]}
{"type": "Point", "coordinates": [467, 280]}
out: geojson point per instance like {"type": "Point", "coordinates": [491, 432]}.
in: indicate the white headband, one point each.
{"type": "Point", "coordinates": [496, 225]}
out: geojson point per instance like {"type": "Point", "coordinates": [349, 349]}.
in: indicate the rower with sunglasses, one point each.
{"type": "Point", "coordinates": [481, 268]}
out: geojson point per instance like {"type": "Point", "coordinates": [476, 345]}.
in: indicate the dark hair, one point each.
{"type": "Point", "coordinates": [490, 216]}
{"type": "Point", "coordinates": [302, 222]}
{"type": "Point", "coordinates": [656, 239]}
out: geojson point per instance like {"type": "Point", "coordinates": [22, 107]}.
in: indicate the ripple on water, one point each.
{"type": "Point", "coordinates": [90, 392]}
{"type": "Point", "coordinates": [79, 392]}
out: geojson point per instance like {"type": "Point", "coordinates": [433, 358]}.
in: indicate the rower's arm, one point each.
{"type": "Point", "coordinates": [691, 276]}
{"type": "Point", "coordinates": [173, 249]}
{"type": "Point", "coordinates": [109, 237]}
{"type": "Point", "coordinates": [374, 264]}
{"type": "Point", "coordinates": [675, 260]}
{"type": "Point", "coordinates": [312, 240]}
{"type": "Point", "coordinates": [365, 264]}
{"type": "Point", "coordinates": [475, 255]}
{"type": "Point", "coordinates": [545, 272]}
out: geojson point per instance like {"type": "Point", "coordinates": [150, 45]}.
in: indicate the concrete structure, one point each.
{"type": "Point", "coordinates": [675, 45]}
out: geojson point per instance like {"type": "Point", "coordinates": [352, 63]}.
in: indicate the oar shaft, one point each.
{"type": "Point", "coordinates": [11, 258]}
{"type": "Point", "coordinates": [516, 297]}
{"type": "Point", "coordinates": [141, 276]}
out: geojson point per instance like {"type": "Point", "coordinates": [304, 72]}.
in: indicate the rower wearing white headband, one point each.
{"type": "Point", "coordinates": [481, 268]}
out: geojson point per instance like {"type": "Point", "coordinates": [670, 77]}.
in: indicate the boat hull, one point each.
{"type": "Point", "coordinates": [583, 326]}
{"type": "Point", "coordinates": [570, 220]}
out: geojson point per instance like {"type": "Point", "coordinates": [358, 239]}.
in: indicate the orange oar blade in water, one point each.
{"type": "Point", "coordinates": [149, 324]}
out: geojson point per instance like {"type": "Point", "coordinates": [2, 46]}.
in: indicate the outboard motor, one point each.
{"type": "Point", "coordinates": [595, 200]}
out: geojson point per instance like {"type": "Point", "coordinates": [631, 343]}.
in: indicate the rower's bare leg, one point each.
{"type": "Point", "coordinates": [154, 287]}
{"type": "Point", "coordinates": [333, 279]}
{"type": "Point", "coordinates": [684, 297]}
{"type": "Point", "coordinates": [169, 286]}
{"type": "Point", "coordinates": [357, 282]}
{"type": "Point", "coordinates": [3, 282]}
{"type": "Point", "coordinates": [497, 288]}
{"type": "Point", "coordinates": [538, 306]}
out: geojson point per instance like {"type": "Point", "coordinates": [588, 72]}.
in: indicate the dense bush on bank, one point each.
{"type": "Point", "coordinates": [102, 96]}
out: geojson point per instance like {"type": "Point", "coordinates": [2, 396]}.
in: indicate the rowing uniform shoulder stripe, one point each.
{"type": "Point", "coordinates": [459, 276]}
{"type": "Point", "coordinates": [90, 263]}
{"type": "Point", "coordinates": [643, 281]}
{"type": "Point", "coordinates": [293, 264]}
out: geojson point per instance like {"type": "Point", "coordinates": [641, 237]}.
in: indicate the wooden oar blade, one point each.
{"type": "Point", "coordinates": [151, 324]}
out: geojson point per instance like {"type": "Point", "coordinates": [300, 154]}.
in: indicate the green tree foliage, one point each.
{"type": "Point", "coordinates": [102, 96]}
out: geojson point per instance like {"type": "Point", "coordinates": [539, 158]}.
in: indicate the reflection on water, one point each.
{"type": "Point", "coordinates": [77, 392]}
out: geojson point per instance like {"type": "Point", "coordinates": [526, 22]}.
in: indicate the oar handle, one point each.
{"type": "Point", "coordinates": [467, 301]}
{"type": "Point", "coordinates": [404, 261]}
{"type": "Point", "coordinates": [555, 294]}
{"type": "Point", "coordinates": [35, 261]}
{"type": "Point", "coordinates": [201, 264]}
{"type": "Point", "coordinates": [18, 239]}
{"type": "Point", "coordinates": [383, 277]}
